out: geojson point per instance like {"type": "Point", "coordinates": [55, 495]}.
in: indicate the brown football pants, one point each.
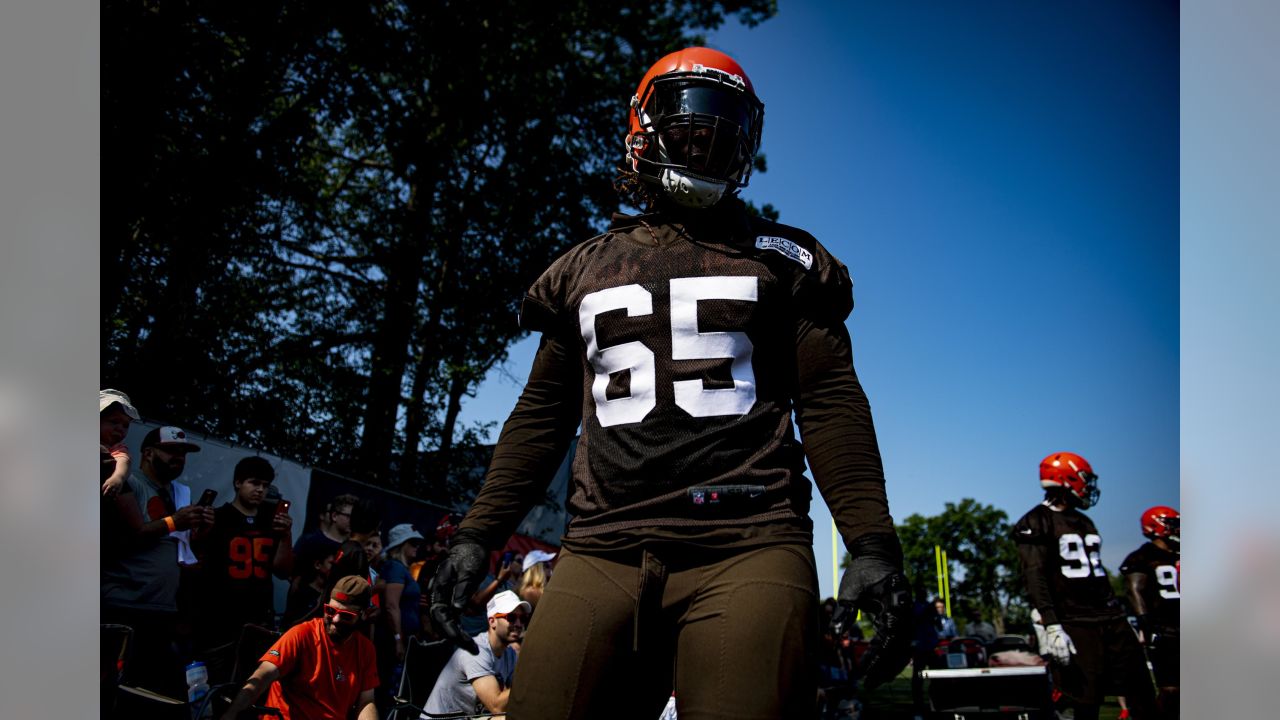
{"type": "Point", "coordinates": [733, 633]}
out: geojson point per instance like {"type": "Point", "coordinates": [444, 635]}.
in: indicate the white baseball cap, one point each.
{"type": "Point", "coordinates": [506, 602]}
{"type": "Point", "coordinates": [534, 557]}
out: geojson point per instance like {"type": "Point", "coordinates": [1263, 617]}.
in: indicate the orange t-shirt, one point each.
{"type": "Point", "coordinates": [317, 679]}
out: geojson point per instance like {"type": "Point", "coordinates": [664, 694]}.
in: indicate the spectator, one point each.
{"type": "Point", "coordinates": [402, 592]}
{"type": "Point", "coordinates": [366, 529]}
{"type": "Point", "coordinates": [373, 553]}
{"type": "Point", "coordinates": [373, 550]}
{"type": "Point", "coordinates": [115, 412]}
{"type": "Point", "coordinates": [942, 621]}
{"type": "Point", "coordinates": [322, 668]}
{"type": "Point", "coordinates": [140, 586]}
{"type": "Point", "coordinates": [245, 548]}
{"type": "Point", "coordinates": [119, 516]}
{"type": "Point", "coordinates": [926, 639]}
{"type": "Point", "coordinates": [481, 682]}
{"type": "Point", "coordinates": [979, 628]}
{"type": "Point", "coordinates": [305, 599]}
{"type": "Point", "coordinates": [366, 521]}
{"type": "Point", "coordinates": [536, 568]}
{"type": "Point", "coordinates": [335, 527]}
{"type": "Point", "coordinates": [834, 668]}
{"type": "Point", "coordinates": [435, 553]}
{"type": "Point", "coordinates": [351, 560]}
{"type": "Point", "coordinates": [474, 621]}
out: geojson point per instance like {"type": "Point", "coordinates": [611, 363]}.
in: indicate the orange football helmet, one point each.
{"type": "Point", "coordinates": [694, 126]}
{"type": "Point", "coordinates": [1069, 470]}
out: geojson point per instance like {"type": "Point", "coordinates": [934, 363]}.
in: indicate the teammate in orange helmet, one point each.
{"type": "Point", "coordinates": [1152, 576]}
{"type": "Point", "coordinates": [683, 341]}
{"type": "Point", "coordinates": [1087, 637]}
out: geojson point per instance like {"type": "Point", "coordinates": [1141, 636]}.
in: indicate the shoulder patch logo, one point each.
{"type": "Point", "coordinates": [786, 247]}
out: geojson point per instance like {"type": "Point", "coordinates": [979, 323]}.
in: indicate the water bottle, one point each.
{"type": "Point", "coordinates": [198, 690]}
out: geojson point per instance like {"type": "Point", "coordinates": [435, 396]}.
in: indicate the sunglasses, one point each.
{"type": "Point", "coordinates": [340, 615]}
{"type": "Point", "coordinates": [513, 617]}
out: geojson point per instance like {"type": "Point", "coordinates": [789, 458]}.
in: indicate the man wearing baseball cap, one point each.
{"type": "Point", "coordinates": [481, 682]}
{"type": "Point", "coordinates": [324, 667]}
{"type": "Point", "coordinates": [140, 587]}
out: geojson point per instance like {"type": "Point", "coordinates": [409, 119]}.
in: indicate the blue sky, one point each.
{"type": "Point", "coordinates": [1001, 179]}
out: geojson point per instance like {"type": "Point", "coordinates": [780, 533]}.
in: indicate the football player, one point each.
{"type": "Point", "coordinates": [683, 341]}
{"type": "Point", "coordinates": [1153, 581]}
{"type": "Point", "coordinates": [1087, 637]}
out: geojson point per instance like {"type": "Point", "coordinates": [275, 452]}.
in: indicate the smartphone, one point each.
{"type": "Point", "coordinates": [206, 498]}
{"type": "Point", "coordinates": [506, 557]}
{"type": "Point", "coordinates": [282, 507]}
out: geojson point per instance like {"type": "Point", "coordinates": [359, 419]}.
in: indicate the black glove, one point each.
{"type": "Point", "coordinates": [456, 580]}
{"type": "Point", "coordinates": [876, 585]}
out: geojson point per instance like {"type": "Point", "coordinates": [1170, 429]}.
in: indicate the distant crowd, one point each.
{"type": "Point", "coordinates": [187, 577]}
{"type": "Point", "coordinates": [189, 582]}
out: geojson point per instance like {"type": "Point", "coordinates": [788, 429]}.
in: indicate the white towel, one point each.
{"type": "Point", "coordinates": [181, 499]}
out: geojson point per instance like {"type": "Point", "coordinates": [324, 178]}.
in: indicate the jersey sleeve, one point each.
{"type": "Point", "coordinates": [832, 411]}
{"type": "Point", "coordinates": [532, 445]}
{"type": "Point", "coordinates": [1032, 529]}
{"type": "Point", "coordinates": [543, 308]}
{"type": "Point", "coordinates": [1033, 536]}
{"type": "Point", "coordinates": [284, 654]}
{"type": "Point", "coordinates": [1133, 563]}
{"type": "Point", "coordinates": [837, 431]}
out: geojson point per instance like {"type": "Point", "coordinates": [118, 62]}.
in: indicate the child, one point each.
{"type": "Point", "coordinates": [115, 412]}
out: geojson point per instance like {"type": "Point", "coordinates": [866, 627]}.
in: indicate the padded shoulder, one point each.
{"type": "Point", "coordinates": [543, 306]}
{"type": "Point", "coordinates": [821, 284]}
{"type": "Point", "coordinates": [1036, 527]}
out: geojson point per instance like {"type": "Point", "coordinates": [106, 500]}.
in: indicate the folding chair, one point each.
{"type": "Point", "coordinates": [119, 699]}
{"type": "Point", "coordinates": [114, 647]}
{"type": "Point", "coordinates": [423, 662]}
{"type": "Point", "coordinates": [254, 641]}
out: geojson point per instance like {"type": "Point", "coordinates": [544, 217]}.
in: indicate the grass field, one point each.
{"type": "Point", "coordinates": [893, 702]}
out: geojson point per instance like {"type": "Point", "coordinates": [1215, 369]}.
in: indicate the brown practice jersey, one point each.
{"type": "Point", "coordinates": [1161, 592]}
{"type": "Point", "coordinates": [682, 350]}
{"type": "Point", "coordinates": [237, 555]}
{"type": "Point", "coordinates": [1062, 566]}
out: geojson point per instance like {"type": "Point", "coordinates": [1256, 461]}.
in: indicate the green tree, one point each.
{"type": "Point", "coordinates": [322, 218]}
{"type": "Point", "coordinates": [982, 560]}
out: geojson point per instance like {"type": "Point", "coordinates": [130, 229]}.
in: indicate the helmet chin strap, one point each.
{"type": "Point", "coordinates": [691, 192]}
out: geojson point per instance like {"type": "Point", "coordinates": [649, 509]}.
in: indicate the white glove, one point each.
{"type": "Point", "coordinates": [1059, 644]}
{"type": "Point", "coordinates": [1042, 642]}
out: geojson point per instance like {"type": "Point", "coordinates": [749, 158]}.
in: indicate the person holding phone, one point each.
{"type": "Point", "coordinates": [140, 585]}
{"type": "Point", "coordinates": [248, 544]}
{"type": "Point", "coordinates": [505, 576]}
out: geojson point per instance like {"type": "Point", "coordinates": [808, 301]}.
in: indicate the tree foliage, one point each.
{"type": "Point", "coordinates": [982, 560]}
{"type": "Point", "coordinates": [319, 219]}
